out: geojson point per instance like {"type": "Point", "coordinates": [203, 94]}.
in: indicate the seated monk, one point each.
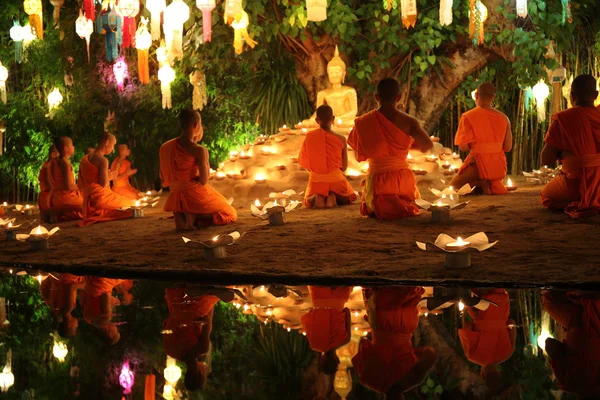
{"type": "Point", "coordinates": [576, 360]}
{"type": "Point", "coordinates": [485, 133]}
{"type": "Point", "coordinates": [97, 302]}
{"type": "Point", "coordinates": [490, 339]}
{"type": "Point", "coordinates": [185, 170]}
{"type": "Point", "coordinates": [190, 324]}
{"type": "Point", "coordinates": [573, 138]}
{"type": "Point", "coordinates": [383, 137]}
{"type": "Point", "coordinates": [389, 363]}
{"type": "Point", "coordinates": [61, 296]}
{"type": "Point", "coordinates": [325, 155]}
{"type": "Point", "coordinates": [64, 199]}
{"type": "Point", "coordinates": [327, 325]}
{"type": "Point", "coordinates": [122, 166]}
{"type": "Point", "coordinates": [45, 186]}
{"type": "Point", "coordinates": [100, 204]}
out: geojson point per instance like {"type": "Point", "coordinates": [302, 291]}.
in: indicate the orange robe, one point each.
{"type": "Point", "coordinates": [321, 155]}
{"type": "Point", "coordinates": [95, 287]}
{"type": "Point", "coordinates": [394, 317]}
{"type": "Point", "coordinates": [390, 188]}
{"type": "Point", "coordinates": [67, 203]}
{"type": "Point", "coordinates": [184, 313]}
{"type": "Point", "coordinates": [577, 188]}
{"type": "Point", "coordinates": [122, 185]}
{"type": "Point", "coordinates": [484, 131]}
{"type": "Point", "coordinates": [100, 204]}
{"type": "Point", "coordinates": [54, 292]}
{"type": "Point", "coordinates": [44, 187]}
{"type": "Point", "coordinates": [577, 371]}
{"type": "Point", "coordinates": [488, 343]}
{"type": "Point", "coordinates": [178, 171]}
{"type": "Point", "coordinates": [326, 325]}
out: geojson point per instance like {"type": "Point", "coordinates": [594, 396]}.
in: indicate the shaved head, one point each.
{"type": "Point", "coordinates": [62, 145]}
{"type": "Point", "coordinates": [106, 137]}
{"type": "Point", "coordinates": [122, 147]}
{"type": "Point", "coordinates": [188, 118]}
{"type": "Point", "coordinates": [583, 90]}
{"type": "Point", "coordinates": [388, 90]}
{"type": "Point", "coordinates": [486, 90]}
{"type": "Point", "coordinates": [325, 113]}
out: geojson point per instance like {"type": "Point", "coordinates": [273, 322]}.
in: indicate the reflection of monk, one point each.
{"type": "Point", "coordinates": [389, 363]}
{"type": "Point", "coordinates": [185, 170]}
{"type": "Point", "coordinates": [327, 325]}
{"type": "Point", "coordinates": [383, 138]}
{"type": "Point", "coordinates": [61, 296]}
{"type": "Point", "coordinates": [484, 132]}
{"type": "Point", "coordinates": [490, 339]}
{"type": "Point", "coordinates": [188, 333]}
{"type": "Point", "coordinates": [64, 197]}
{"type": "Point", "coordinates": [576, 360]}
{"type": "Point", "coordinates": [44, 182]}
{"type": "Point", "coordinates": [574, 139]}
{"type": "Point", "coordinates": [122, 166]}
{"type": "Point", "coordinates": [100, 204]}
{"type": "Point", "coordinates": [325, 155]}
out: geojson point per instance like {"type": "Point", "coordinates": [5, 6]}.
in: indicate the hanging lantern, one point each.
{"type": "Point", "coordinates": [28, 37]}
{"type": "Point", "coordinates": [408, 10]}
{"type": "Point", "coordinates": [166, 75]}
{"type": "Point", "coordinates": [120, 72]}
{"type": "Point", "coordinates": [232, 7]}
{"type": "Point", "coordinates": [3, 79]}
{"type": "Point", "coordinates": [60, 351]}
{"type": "Point", "coordinates": [169, 392]}
{"type": "Point", "coordinates": [566, 90]}
{"type": "Point", "coordinates": [54, 100]}
{"type": "Point", "coordinates": [541, 91]}
{"type": "Point", "coordinates": [240, 25]}
{"type": "Point", "coordinates": [33, 8]}
{"type": "Point", "coordinates": [56, 14]}
{"type": "Point", "coordinates": [527, 97]}
{"type": "Point", "coordinates": [129, 9]}
{"type": "Point", "coordinates": [522, 8]}
{"type": "Point", "coordinates": [143, 41]}
{"type": "Point", "coordinates": [155, 7]}
{"type": "Point", "coordinates": [109, 23]}
{"type": "Point", "coordinates": [89, 9]}
{"type": "Point", "coordinates": [150, 381]}
{"type": "Point", "coordinates": [126, 378]}
{"type": "Point", "coordinates": [199, 97]}
{"type": "Point", "coordinates": [566, 11]}
{"type": "Point", "coordinates": [175, 15]}
{"type": "Point", "coordinates": [16, 34]}
{"type": "Point", "coordinates": [206, 6]}
{"type": "Point", "coordinates": [478, 13]}
{"type": "Point", "coordinates": [445, 12]}
{"type": "Point", "coordinates": [84, 28]}
{"type": "Point", "coordinates": [172, 372]}
{"type": "Point", "coordinates": [316, 10]}
{"type": "Point", "coordinates": [162, 54]}
{"type": "Point", "coordinates": [7, 379]}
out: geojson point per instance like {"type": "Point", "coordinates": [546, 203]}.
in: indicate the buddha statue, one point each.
{"type": "Point", "coordinates": [342, 99]}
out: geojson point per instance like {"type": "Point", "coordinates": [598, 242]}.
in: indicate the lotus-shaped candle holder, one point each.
{"type": "Point", "coordinates": [150, 193]}
{"type": "Point", "coordinates": [215, 247]}
{"type": "Point", "coordinates": [283, 198]}
{"type": "Point", "coordinates": [8, 226]}
{"type": "Point", "coordinates": [25, 209]}
{"type": "Point", "coordinates": [452, 193]}
{"type": "Point", "coordinates": [543, 175]}
{"type": "Point", "coordinates": [458, 251]}
{"type": "Point", "coordinates": [440, 210]}
{"type": "Point", "coordinates": [38, 237]}
{"type": "Point", "coordinates": [274, 212]}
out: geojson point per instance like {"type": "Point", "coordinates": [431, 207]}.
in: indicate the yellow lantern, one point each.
{"type": "Point", "coordinates": [176, 14]}
{"type": "Point", "coordinates": [478, 13]}
{"type": "Point", "coordinates": [54, 100]}
{"type": "Point", "coordinates": [316, 10]}
{"type": "Point", "coordinates": [232, 7]}
{"type": "Point", "coordinates": [143, 41]}
{"type": "Point", "coordinates": [33, 8]}
{"type": "Point", "coordinates": [7, 379]}
{"type": "Point", "coordinates": [166, 75]}
{"type": "Point", "coordinates": [541, 91]}
{"type": "Point", "coordinates": [240, 25]}
{"type": "Point", "coordinates": [84, 28]}
{"type": "Point", "coordinates": [172, 372]}
{"type": "Point", "coordinates": [60, 351]}
{"type": "Point", "coordinates": [3, 79]}
{"type": "Point", "coordinates": [155, 7]}
{"type": "Point", "coordinates": [162, 54]}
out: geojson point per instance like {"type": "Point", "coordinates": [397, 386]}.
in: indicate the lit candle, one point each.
{"type": "Point", "coordinates": [440, 204]}
{"type": "Point", "coordinates": [289, 329]}
{"type": "Point", "coordinates": [431, 158]}
{"type": "Point", "coordinates": [455, 156]}
{"type": "Point", "coordinates": [27, 206]}
{"type": "Point", "coordinates": [446, 165]}
{"type": "Point", "coordinates": [365, 333]}
{"type": "Point", "coordinates": [458, 245]}
{"type": "Point", "coordinates": [339, 121]}
{"type": "Point", "coordinates": [37, 231]}
{"type": "Point", "coordinates": [148, 193]}
{"type": "Point", "coordinates": [509, 183]}
{"type": "Point", "coordinates": [244, 155]}
{"type": "Point", "coordinates": [461, 306]}
{"type": "Point", "coordinates": [304, 130]}
{"type": "Point", "coordinates": [257, 203]}
{"type": "Point", "coordinates": [9, 225]}
{"type": "Point", "coordinates": [246, 307]}
{"type": "Point", "coordinates": [137, 203]}
{"type": "Point", "coordinates": [215, 238]}
{"type": "Point", "coordinates": [356, 313]}
{"type": "Point", "coordinates": [284, 126]}
{"type": "Point", "coordinates": [220, 176]}
{"type": "Point", "coordinates": [269, 312]}
{"type": "Point", "coordinates": [409, 159]}
{"type": "Point", "coordinates": [260, 178]}
{"type": "Point", "coordinates": [5, 204]}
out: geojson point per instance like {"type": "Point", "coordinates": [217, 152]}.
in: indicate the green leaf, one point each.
{"type": "Point", "coordinates": [423, 65]}
{"type": "Point", "coordinates": [360, 74]}
{"type": "Point", "coordinates": [386, 18]}
{"type": "Point", "coordinates": [431, 59]}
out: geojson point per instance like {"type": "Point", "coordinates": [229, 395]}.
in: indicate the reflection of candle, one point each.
{"type": "Point", "coordinates": [458, 245]}
{"type": "Point", "coordinates": [260, 178]}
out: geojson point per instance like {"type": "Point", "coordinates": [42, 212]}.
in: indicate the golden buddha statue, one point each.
{"type": "Point", "coordinates": [342, 99]}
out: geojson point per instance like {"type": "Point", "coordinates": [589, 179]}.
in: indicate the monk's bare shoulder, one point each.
{"type": "Point", "coordinates": [501, 113]}
{"type": "Point", "coordinates": [198, 150]}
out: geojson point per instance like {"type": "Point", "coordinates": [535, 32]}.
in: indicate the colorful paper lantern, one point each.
{"type": "Point", "coordinates": [566, 11]}
{"type": "Point", "coordinates": [109, 23]}
{"type": "Point", "coordinates": [54, 100]}
{"type": "Point", "coordinates": [126, 378]}
{"type": "Point", "coordinates": [166, 75]}
{"type": "Point", "coordinates": [60, 351]}
{"type": "Point", "coordinates": [478, 13]}
{"type": "Point", "coordinates": [28, 37]}
{"type": "Point", "coordinates": [17, 36]}
{"type": "Point", "coordinates": [84, 28]}
{"type": "Point", "coordinates": [206, 6]}
{"type": "Point", "coordinates": [120, 72]}
{"type": "Point", "coordinates": [232, 7]}
{"type": "Point", "coordinates": [541, 91]}
{"type": "Point", "coordinates": [445, 12]}
{"type": "Point", "coordinates": [316, 10]}
{"type": "Point", "coordinates": [143, 41]}
{"type": "Point", "coordinates": [240, 25]}
{"type": "Point", "coordinates": [7, 379]}
{"type": "Point", "coordinates": [89, 9]}
{"type": "Point", "coordinates": [129, 9]}
{"type": "Point", "coordinates": [56, 14]}
{"type": "Point", "coordinates": [3, 79]}
{"type": "Point", "coordinates": [199, 97]}
{"type": "Point", "coordinates": [175, 15]}
{"type": "Point", "coordinates": [33, 8]}
{"type": "Point", "coordinates": [408, 10]}
{"type": "Point", "coordinates": [162, 54]}
{"type": "Point", "coordinates": [522, 8]}
{"type": "Point", "coordinates": [155, 7]}
{"type": "Point", "coordinates": [172, 372]}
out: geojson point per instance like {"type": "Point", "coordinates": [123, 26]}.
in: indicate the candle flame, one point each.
{"type": "Point", "coordinates": [356, 313]}
{"type": "Point", "coordinates": [233, 153]}
{"type": "Point", "coordinates": [509, 182]}
{"type": "Point", "coordinates": [289, 329]}
{"type": "Point", "coordinates": [148, 193]}
{"type": "Point", "coordinates": [137, 203]}
{"type": "Point", "coordinates": [27, 206]}
{"type": "Point", "coordinates": [10, 224]}
{"type": "Point", "coordinates": [269, 312]}
{"type": "Point", "coordinates": [215, 238]}
{"type": "Point", "coordinates": [461, 306]}
{"type": "Point", "coordinates": [38, 230]}
{"type": "Point", "coordinates": [262, 288]}
{"type": "Point", "coordinates": [453, 154]}
{"type": "Point", "coordinates": [284, 126]}
{"type": "Point", "coordinates": [447, 162]}
{"type": "Point", "coordinates": [246, 307]}
{"type": "Point", "coordinates": [339, 121]}
{"type": "Point", "coordinates": [257, 203]}
{"type": "Point", "coordinates": [220, 174]}
{"type": "Point", "coordinates": [365, 333]}
{"type": "Point", "coordinates": [275, 204]}
{"type": "Point", "coordinates": [5, 204]}
{"type": "Point", "coordinates": [409, 156]}
{"type": "Point", "coordinates": [439, 203]}
{"type": "Point", "coordinates": [259, 177]}
{"type": "Point", "coordinates": [451, 188]}
{"type": "Point", "coordinates": [243, 153]}
{"type": "Point", "coordinates": [39, 279]}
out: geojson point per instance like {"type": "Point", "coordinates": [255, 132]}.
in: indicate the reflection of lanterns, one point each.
{"type": "Point", "coordinates": [54, 100]}
{"type": "Point", "coordinates": [3, 78]}
{"type": "Point", "coordinates": [33, 8]}
{"type": "Point", "coordinates": [126, 378]}
{"type": "Point", "coordinates": [166, 75]}
{"type": "Point", "coordinates": [316, 10]}
{"type": "Point", "coordinates": [175, 15]}
{"type": "Point", "coordinates": [7, 379]}
{"type": "Point", "coordinates": [17, 36]}
{"type": "Point", "coordinates": [541, 91]}
{"type": "Point", "coordinates": [60, 351]}
{"type": "Point", "coordinates": [143, 41]}
{"type": "Point", "coordinates": [206, 6]}
{"type": "Point", "coordinates": [129, 9]}
{"type": "Point", "coordinates": [172, 372]}
{"type": "Point", "coordinates": [84, 28]}
{"type": "Point", "coordinates": [155, 7]}
{"type": "Point", "coordinates": [120, 71]}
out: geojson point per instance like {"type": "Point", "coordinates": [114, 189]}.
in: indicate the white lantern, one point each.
{"type": "Point", "coordinates": [17, 36]}
{"type": "Point", "coordinates": [54, 100]}
{"type": "Point", "coordinates": [155, 7]}
{"type": "Point", "coordinates": [162, 54]}
{"type": "Point", "coordinates": [143, 41]}
{"type": "Point", "coordinates": [84, 28]}
{"type": "Point", "coordinates": [60, 351]}
{"type": "Point", "coordinates": [28, 36]}
{"type": "Point", "coordinates": [445, 12]}
{"type": "Point", "coordinates": [33, 8]}
{"type": "Point", "coordinates": [166, 75]}
{"type": "Point", "coordinates": [3, 79]}
{"type": "Point", "coordinates": [541, 91]}
{"type": "Point", "coordinates": [522, 8]}
{"type": "Point", "coordinates": [7, 379]}
{"type": "Point", "coordinates": [172, 373]}
{"type": "Point", "coordinates": [176, 14]}
{"type": "Point", "coordinates": [316, 10]}
{"type": "Point", "coordinates": [408, 10]}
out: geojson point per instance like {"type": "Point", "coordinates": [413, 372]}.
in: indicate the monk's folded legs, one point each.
{"type": "Point", "coordinates": [560, 192]}
{"type": "Point", "coordinates": [316, 201]}
{"type": "Point", "coordinates": [331, 200]}
{"type": "Point", "coordinates": [470, 175]}
{"type": "Point", "coordinates": [342, 200]}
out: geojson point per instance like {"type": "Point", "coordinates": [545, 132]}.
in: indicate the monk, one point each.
{"type": "Point", "coordinates": [383, 137]}
{"type": "Point", "coordinates": [97, 302]}
{"type": "Point", "coordinates": [573, 138]}
{"type": "Point", "coordinates": [486, 134]}
{"type": "Point", "coordinates": [576, 360]}
{"type": "Point", "coordinates": [122, 166]}
{"type": "Point", "coordinates": [490, 338]}
{"type": "Point", "coordinates": [64, 198]}
{"type": "Point", "coordinates": [325, 155]}
{"type": "Point", "coordinates": [389, 363]}
{"type": "Point", "coordinates": [185, 170]}
{"type": "Point", "coordinates": [45, 186]}
{"type": "Point", "coordinates": [61, 296]}
{"type": "Point", "coordinates": [327, 325]}
{"type": "Point", "coordinates": [189, 324]}
{"type": "Point", "coordinates": [100, 204]}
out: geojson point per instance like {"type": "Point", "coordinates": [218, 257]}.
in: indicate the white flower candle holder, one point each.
{"type": "Point", "coordinates": [440, 209]}
{"type": "Point", "coordinates": [37, 238]}
{"type": "Point", "coordinates": [452, 193]}
{"type": "Point", "coordinates": [458, 251]}
{"type": "Point", "coordinates": [274, 212]}
{"type": "Point", "coordinates": [26, 209]}
{"type": "Point", "coordinates": [215, 248]}
{"type": "Point", "coordinates": [283, 198]}
{"type": "Point", "coordinates": [510, 186]}
{"type": "Point", "coordinates": [7, 225]}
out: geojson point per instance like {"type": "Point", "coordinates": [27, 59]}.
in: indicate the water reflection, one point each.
{"type": "Point", "coordinates": [66, 337]}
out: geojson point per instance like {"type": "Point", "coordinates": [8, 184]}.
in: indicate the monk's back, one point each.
{"type": "Point", "coordinates": [382, 139]}
{"type": "Point", "coordinates": [576, 138]}
{"type": "Point", "coordinates": [57, 178]}
{"type": "Point", "coordinates": [324, 151]}
{"type": "Point", "coordinates": [489, 125]}
{"type": "Point", "coordinates": [88, 172]}
{"type": "Point", "coordinates": [176, 163]}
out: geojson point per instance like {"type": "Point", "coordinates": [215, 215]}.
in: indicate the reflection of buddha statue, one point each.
{"type": "Point", "coordinates": [342, 99]}
{"type": "Point", "coordinates": [342, 383]}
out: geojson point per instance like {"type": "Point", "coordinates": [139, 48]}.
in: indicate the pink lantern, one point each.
{"type": "Point", "coordinates": [129, 9]}
{"type": "Point", "coordinates": [120, 71]}
{"type": "Point", "coordinates": [206, 6]}
{"type": "Point", "coordinates": [126, 378]}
